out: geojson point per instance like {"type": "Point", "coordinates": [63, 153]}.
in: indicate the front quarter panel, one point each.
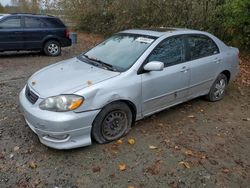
{"type": "Point", "coordinates": [126, 86]}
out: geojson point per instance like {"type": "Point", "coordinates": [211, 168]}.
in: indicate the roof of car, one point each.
{"type": "Point", "coordinates": [3, 15]}
{"type": "Point", "coordinates": [158, 32]}
{"type": "Point", "coordinates": [28, 14]}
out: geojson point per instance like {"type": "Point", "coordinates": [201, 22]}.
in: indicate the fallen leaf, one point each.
{"type": "Point", "coordinates": [131, 186]}
{"type": "Point", "coordinates": [167, 141]}
{"type": "Point", "coordinates": [203, 156]}
{"type": "Point", "coordinates": [119, 141]}
{"type": "Point", "coordinates": [225, 170]}
{"type": "Point", "coordinates": [32, 165]}
{"type": "Point", "coordinates": [131, 141]}
{"type": "Point", "coordinates": [122, 167]}
{"type": "Point", "coordinates": [161, 124]}
{"type": "Point", "coordinates": [185, 164]}
{"type": "Point", "coordinates": [246, 119]}
{"type": "Point", "coordinates": [96, 169]}
{"type": "Point", "coordinates": [189, 152]}
{"type": "Point", "coordinates": [16, 148]}
{"type": "Point", "coordinates": [176, 147]}
{"type": "Point", "coordinates": [152, 147]}
{"type": "Point", "coordinates": [11, 155]}
{"type": "Point", "coordinates": [112, 175]}
{"type": "Point", "coordinates": [89, 82]}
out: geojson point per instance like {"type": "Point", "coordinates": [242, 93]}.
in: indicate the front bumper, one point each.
{"type": "Point", "coordinates": [59, 130]}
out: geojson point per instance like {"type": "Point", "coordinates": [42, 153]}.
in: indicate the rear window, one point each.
{"type": "Point", "coordinates": [54, 22]}
{"type": "Point", "coordinates": [201, 46]}
{"type": "Point", "coordinates": [31, 22]}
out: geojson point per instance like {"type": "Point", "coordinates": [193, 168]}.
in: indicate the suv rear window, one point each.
{"type": "Point", "coordinates": [33, 22]}
{"type": "Point", "coordinates": [54, 22]}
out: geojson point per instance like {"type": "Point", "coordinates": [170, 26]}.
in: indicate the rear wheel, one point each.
{"type": "Point", "coordinates": [217, 91]}
{"type": "Point", "coordinates": [52, 48]}
{"type": "Point", "coordinates": [113, 122]}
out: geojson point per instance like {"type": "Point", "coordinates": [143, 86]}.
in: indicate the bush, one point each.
{"type": "Point", "coordinates": [237, 22]}
{"type": "Point", "coordinates": [228, 19]}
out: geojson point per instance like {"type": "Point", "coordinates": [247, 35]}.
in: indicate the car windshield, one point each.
{"type": "Point", "coordinates": [120, 51]}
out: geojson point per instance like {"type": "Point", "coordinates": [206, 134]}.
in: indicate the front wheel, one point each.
{"type": "Point", "coordinates": [52, 48]}
{"type": "Point", "coordinates": [113, 122]}
{"type": "Point", "coordinates": [217, 91]}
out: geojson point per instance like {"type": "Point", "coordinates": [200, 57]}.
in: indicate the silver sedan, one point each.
{"type": "Point", "coordinates": [133, 74]}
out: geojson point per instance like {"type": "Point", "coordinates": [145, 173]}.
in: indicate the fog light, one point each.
{"type": "Point", "coordinates": [58, 137]}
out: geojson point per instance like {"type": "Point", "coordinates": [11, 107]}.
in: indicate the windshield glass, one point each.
{"type": "Point", "coordinates": [121, 50]}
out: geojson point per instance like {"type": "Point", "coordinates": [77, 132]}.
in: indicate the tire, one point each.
{"type": "Point", "coordinates": [112, 123]}
{"type": "Point", "coordinates": [52, 48]}
{"type": "Point", "coordinates": [217, 91]}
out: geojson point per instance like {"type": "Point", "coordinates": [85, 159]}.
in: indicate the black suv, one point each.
{"type": "Point", "coordinates": [33, 32]}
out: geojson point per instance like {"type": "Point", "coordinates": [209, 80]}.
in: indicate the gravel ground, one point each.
{"type": "Point", "coordinates": [195, 144]}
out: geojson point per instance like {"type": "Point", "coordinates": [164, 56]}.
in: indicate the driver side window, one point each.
{"type": "Point", "coordinates": [170, 52]}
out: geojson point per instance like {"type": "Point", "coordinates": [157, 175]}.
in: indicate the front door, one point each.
{"type": "Point", "coordinates": [11, 33]}
{"type": "Point", "coordinates": [161, 89]}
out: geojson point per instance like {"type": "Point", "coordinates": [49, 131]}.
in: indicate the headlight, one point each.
{"type": "Point", "coordinates": [61, 103]}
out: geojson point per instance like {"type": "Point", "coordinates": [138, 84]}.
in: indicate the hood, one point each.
{"type": "Point", "coordinates": [67, 77]}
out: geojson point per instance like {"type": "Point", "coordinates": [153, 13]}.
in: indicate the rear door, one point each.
{"type": "Point", "coordinates": [11, 33]}
{"type": "Point", "coordinates": [55, 27]}
{"type": "Point", "coordinates": [34, 32]}
{"type": "Point", "coordinates": [205, 62]}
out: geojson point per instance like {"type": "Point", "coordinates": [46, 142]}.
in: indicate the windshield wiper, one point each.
{"type": "Point", "coordinates": [93, 63]}
{"type": "Point", "coordinates": [106, 65]}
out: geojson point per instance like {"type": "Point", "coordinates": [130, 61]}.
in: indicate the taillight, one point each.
{"type": "Point", "coordinates": [66, 33]}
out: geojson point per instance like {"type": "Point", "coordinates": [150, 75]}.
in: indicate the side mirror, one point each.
{"type": "Point", "coordinates": [154, 66]}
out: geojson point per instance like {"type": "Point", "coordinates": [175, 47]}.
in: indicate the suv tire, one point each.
{"type": "Point", "coordinates": [52, 48]}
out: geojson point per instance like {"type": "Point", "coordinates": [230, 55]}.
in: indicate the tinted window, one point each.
{"type": "Point", "coordinates": [201, 46]}
{"type": "Point", "coordinates": [54, 22]}
{"type": "Point", "coordinates": [33, 22]}
{"type": "Point", "coordinates": [170, 52]}
{"type": "Point", "coordinates": [11, 23]}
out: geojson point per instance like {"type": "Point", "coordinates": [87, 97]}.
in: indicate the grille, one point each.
{"type": "Point", "coordinates": [31, 96]}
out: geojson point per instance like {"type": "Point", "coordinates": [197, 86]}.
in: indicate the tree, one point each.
{"type": "Point", "coordinates": [228, 19]}
{"type": "Point", "coordinates": [27, 6]}
{"type": "Point", "coordinates": [237, 21]}
{"type": "Point", "coordinates": [1, 8]}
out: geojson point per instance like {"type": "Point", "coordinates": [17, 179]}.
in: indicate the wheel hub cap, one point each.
{"type": "Point", "coordinates": [53, 48]}
{"type": "Point", "coordinates": [114, 125]}
{"type": "Point", "coordinates": [219, 88]}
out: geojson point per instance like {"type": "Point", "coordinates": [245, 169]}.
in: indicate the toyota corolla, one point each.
{"type": "Point", "coordinates": [133, 74]}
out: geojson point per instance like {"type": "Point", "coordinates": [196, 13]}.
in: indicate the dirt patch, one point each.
{"type": "Point", "coordinates": [195, 144]}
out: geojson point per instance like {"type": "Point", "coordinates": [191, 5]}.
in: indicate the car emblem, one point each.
{"type": "Point", "coordinates": [33, 83]}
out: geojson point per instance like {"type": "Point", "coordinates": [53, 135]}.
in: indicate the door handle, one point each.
{"type": "Point", "coordinates": [217, 60]}
{"type": "Point", "coordinates": [184, 69]}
